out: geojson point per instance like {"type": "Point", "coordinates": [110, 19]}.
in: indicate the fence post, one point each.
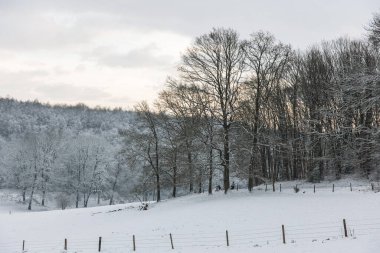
{"type": "Point", "coordinates": [350, 186]}
{"type": "Point", "coordinates": [171, 240]}
{"type": "Point", "coordinates": [134, 243]}
{"type": "Point", "coordinates": [23, 245]}
{"type": "Point", "coordinates": [314, 188]}
{"type": "Point", "coordinates": [372, 186]}
{"type": "Point", "coordinates": [283, 235]}
{"type": "Point", "coordinates": [280, 187]}
{"type": "Point", "coordinates": [333, 187]}
{"type": "Point", "coordinates": [266, 187]}
{"type": "Point", "coordinates": [228, 242]}
{"type": "Point", "coordinates": [100, 244]}
{"type": "Point", "coordinates": [345, 227]}
{"type": "Point", "coordinates": [65, 246]}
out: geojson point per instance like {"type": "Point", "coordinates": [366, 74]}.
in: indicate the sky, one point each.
{"type": "Point", "coordinates": [116, 53]}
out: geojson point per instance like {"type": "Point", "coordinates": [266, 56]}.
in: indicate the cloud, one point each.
{"type": "Point", "coordinates": [54, 50]}
{"type": "Point", "coordinates": [72, 93]}
{"type": "Point", "coordinates": [144, 57]}
{"type": "Point", "coordinates": [30, 85]}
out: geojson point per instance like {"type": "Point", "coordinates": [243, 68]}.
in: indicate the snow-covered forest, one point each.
{"type": "Point", "coordinates": [247, 111]}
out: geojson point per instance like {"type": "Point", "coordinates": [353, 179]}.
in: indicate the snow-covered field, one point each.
{"type": "Point", "coordinates": [198, 223]}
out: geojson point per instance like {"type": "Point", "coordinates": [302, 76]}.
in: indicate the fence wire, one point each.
{"type": "Point", "coordinates": [244, 237]}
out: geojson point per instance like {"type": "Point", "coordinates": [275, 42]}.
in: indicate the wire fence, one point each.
{"type": "Point", "coordinates": [249, 237]}
{"type": "Point", "coordinates": [309, 187]}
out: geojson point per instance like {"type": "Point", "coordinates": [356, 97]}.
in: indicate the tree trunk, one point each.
{"type": "Point", "coordinates": [115, 182]}
{"type": "Point", "coordinates": [77, 200]}
{"type": "Point", "coordinates": [174, 193]}
{"type": "Point", "coordinates": [191, 172]}
{"type": "Point", "coordinates": [43, 197]}
{"type": "Point", "coordinates": [32, 192]}
{"type": "Point", "coordinates": [44, 183]}
{"type": "Point", "coordinates": [226, 162]}
{"type": "Point", "coordinates": [250, 173]}
{"type": "Point", "coordinates": [86, 199]}
{"type": "Point", "coordinates": [158, 187]}
{"type": "Point", "coordinates": [23, 195]}
{"type": "Point", "coordinates": [210, 164]}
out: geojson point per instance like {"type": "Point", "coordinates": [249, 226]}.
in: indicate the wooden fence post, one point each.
{"type": "Point", "coordinates": [283, 235]}
{"type": "Point", "coordinates": [350, 186]}
{"type": "Point", "coordinates": [23, 245]}
{"type": "Point", "coordinates": [266, 187]}
{"type": "Point", "coordinates": [372, 186]}
{"type": "Point", "coordinates": [333, 187]}
{"type": "Point", "coordinates": [134, 243]}
{"type": "Point", "coordinates": [345, 228]}
{"type": "Point", "coordinates": [65, 245]}
{"type": "Point", "coordinates": [228, 242]}
{"type": "Point", "coordinates": [171, 240]}
{"type": "Point", "coordinates": [314, 188]}
{"type": "Point", "coordinates": [280, 187]}
{"type": "Point", "coordinates": [100, 244]}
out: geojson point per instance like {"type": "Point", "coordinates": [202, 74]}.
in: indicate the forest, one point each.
{"type": "Point", "coordinates": [238, 110]}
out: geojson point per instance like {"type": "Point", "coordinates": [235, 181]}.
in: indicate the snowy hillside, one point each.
{"type": "Point", "coordinates": [313, 222]}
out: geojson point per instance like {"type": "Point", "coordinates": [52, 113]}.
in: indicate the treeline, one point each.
{"type": "Point", "coordinates": [258, 110]}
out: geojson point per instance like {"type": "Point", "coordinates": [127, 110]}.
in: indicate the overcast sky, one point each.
{"type": "Point", "coordinates": [119, 52]}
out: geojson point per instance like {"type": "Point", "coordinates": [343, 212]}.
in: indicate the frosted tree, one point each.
{"type": "Point", "coordinates": [143, 142]}
{"type": "Point", "coordinates": [374, 30]}
{"type": "Point", "coordinates": [50, 145]}
{"type": "Point", "coordinates": [86, 166]}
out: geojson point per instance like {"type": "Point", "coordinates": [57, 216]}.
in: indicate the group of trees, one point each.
{"type": "Point", "coordinates": [258, 110]}
{"type": "Point", "coordinates": [75, 152]}
{"type": "Point", "coordinates": [254, 110]}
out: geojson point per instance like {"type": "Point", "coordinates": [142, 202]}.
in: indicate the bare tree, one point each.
{"type": "Point", "coordinates": [215, 63]}
{"type": "Point", "coordinates": [144, 142]}
{"type": "Point", "coordinates": [268, 61]}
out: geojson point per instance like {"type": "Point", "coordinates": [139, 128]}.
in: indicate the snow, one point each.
{"type": "Point", "coordinates": [198, 223]}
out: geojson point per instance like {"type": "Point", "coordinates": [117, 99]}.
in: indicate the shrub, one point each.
{"type": "Point", "coordinates": [63, 200]}
{"type": "Point", "coordinates": [315, 176]}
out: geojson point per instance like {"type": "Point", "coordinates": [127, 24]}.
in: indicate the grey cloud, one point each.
{"type": "Point", "coordinates": [70, 92]}
{"type": "Point", "coordinates": [29, 85]}
{"type": "Point", "coordinates": [18, 83]}
{"type": "Point", "coordinates": [16, 78]}
{"type": "Point", "coordinates": [29, 31]}
{"type": "Point", "coordinates": [313, 19]}
{"type": "Point", "coordinates": [144, 57]}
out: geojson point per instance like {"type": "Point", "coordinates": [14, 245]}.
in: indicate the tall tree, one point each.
{"type": "Point", "coordinates": [215, 63]}
{"type": "Point", "coordinates": [268, 61]}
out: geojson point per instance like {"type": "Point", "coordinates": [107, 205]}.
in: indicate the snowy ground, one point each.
{"type": "Point", "coordinates": [198, 223]}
